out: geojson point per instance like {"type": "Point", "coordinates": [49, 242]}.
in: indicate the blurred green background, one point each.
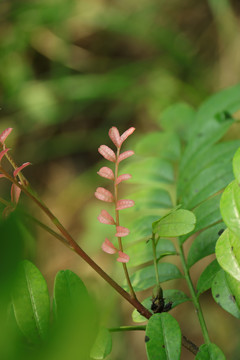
{"type": "Point", "coordinates": [71, 69]}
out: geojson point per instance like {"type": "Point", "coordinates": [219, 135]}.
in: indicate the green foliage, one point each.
{"type": "Point", "coordinates": [163, 337]}
{"type": "Point", "coordinates": [210, 352]}
{"type": "Point", "coordinates": [103, 345]}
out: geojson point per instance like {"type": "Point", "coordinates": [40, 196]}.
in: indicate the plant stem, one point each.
{"type": "Point", "coordinates": [128, 328]}
{"type": "Point", "coordinates": [194, 297]}
{"type": "Point", "coordinates": [75, 247]}
{"type": "Point", "coordinates": [132, 292]}
{"type": "Point", "coordinates": [155, 258]}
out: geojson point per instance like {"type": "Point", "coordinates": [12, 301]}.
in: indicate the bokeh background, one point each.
{"type": "Point", "coordinates": [71, 69]}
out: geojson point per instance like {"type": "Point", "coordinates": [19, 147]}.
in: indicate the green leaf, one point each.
{"type": "Point", "coordinates": [223, 294]}
{"type": "Point", "coordinates": [162, 144]}
{"type": "Point", "coordinates": [31, 302]}
{"type": "Point", "coordinates": [150, 171]}
{"type": "Point", "coordinates": [163, 338]}
{"type": "Point", "coordinates": [103, 345]}
{"type": "Point", "coordinates": [151, 198]}
{"type": "Point", "coordinates": [230, 207]}
{"type": "Point", "coordinates": [209, 181]}
{"type": "Point", "coordinates": [174, 224]}
{"type": "Point", "coordinates": [228, 253]}
{"type": "Point", "coordinates": [69, 293]}
{"type": "Point", "coordinates": [145, 278]}
{"type": "Point", "coordinates": [210, 352]}
{"type": "Point", "coordinates": [141, 228]}
{"type": "Point", "coordinates": [234, 286]}
{"type": "Point", "coordinates": [142, 252]}
{"type": "Point", "coordinates": [236, 165]}
{"type": "Point", "coordinates": [177, 297]}
{"type": "Point", "coordinates": [206, 278]}
{"type": "Point", "coordinates": [204, 244]}
{"type": "Point", "coordinates": [178, 118]}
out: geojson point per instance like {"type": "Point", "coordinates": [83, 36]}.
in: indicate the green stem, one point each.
{"type": "Point", "coordinates": [194, 297]}
{"type": "Point", "coordinates": [155, 258]}
{"type": "Point", "coordinates": [128, 328]}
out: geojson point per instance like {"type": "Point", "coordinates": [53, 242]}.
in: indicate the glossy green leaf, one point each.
{"type": "Point", "coordinates": [142, 252]}
{"type": "Point", "coordinates": [178, 118]}
{"type": "Point", "coordinates": [230, 207]}
{"type": "Point", "coordinates": [220, 153]}
{"type": "Point", "coordinates": [210, 352]}
{"type": "Point", "coordinates": [206, 278]}
{"type": "Point", "coordinates": [102, 346]}
{"type": "Point", "coordinates": [177, 297]}
{"type": "Point", "coordinates": [207, 213]}
{"type": "Point", "coordinates": [223, 294]}
{"type": "Point", "coordinates": [234, 286]}
{"type": "Point", "coordinates": [174, 224]}
{"type": "Point", "coordinates": [208, 182]}
{"type": "Point", "coordinates": [31, 302]}
{"type": "Point", "coordinates": [162, 144]}
{"type": "Point", "coordinates": [236, 165]}
{"type": "Point", "coordinates": [163, 338]}
{"type": "Point", "coordinates": [152, 198]}
{"type": "Point", "coordinates": [204, 244]}
{"type": "Point", "coordinates": [69, 292]}
{"type": "Point", "coordinates": [141, 228]}
{"type": "Point", "coordinates": [145, 278]}
{"type": "Point", "coordinates": [228, 253]}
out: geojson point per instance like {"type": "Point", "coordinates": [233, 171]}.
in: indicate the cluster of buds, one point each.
{"type": "Point", "coordinates": [15, 190]}
{"type": "Point", "coordinates": [105, 195]}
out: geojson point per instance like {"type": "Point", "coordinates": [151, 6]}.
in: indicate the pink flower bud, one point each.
{"type": "Point", "coordinates": [125, 155]}
{"type": "Point", "coordinates": [123, 258]}
{"type": "Point", "coordinates": [106, 172]}
{"type": "Point", "coordinates": [106, 218]}
{"type": "Point", "coordinates": [104, 195]}
{"type": "Point", "coordinates": [108, 247]}
{"type": "Point", "coordinates": [5, 134]}
{"type": "Point", "coordinates": [15, 193]}
{"type": "Point", "coordinates": [2, 153]}
{"type": "Point", "coordinates": [123, 177]}
{"type": "Point", "coordinates": [126, 134]}
{"type": "Point", "coordinates": [16, 171]}
{"type": "Point", "coordinates": [115, 137]}
{"type": "Point", "coordinates": [107, 153]}
{"type": "Point", "coordinates": [124, 204]}
{"type": "Point", "coordinates": [122, 231]}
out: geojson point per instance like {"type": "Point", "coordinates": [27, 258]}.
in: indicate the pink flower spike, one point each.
{"type": "Point", "coordinates": [2, 153]}
{"type": "Point", "coordinates": [16, 171]}
{"type": "Point", "coordinates": [115, 136]}
{"type": "Point", "coordinates": [107, 153]}
{"type": "Point", "coordinates": [122, 231]}
{"type": "Point", "coordinates": [123, 258]}
{"type": "Point", "coordinates": [125, 155]}
{"type": "Point", "coordinates": [15, 193]}
{"type": "Point", "coordinates": [106, 218]}
{"type": "Point", "coordinates": [127, 133]}
{"type": "Point", "coordinates": [124, 204]}
{"type": "Point", "coordinates": [123, 177]}
{"type": "Point", "coordinates": [108, 247]}
{"type": "Point", "coordinates": [106, 172]}
{"type": "Point", "coordinates": [104, 195]}
{"type": "Point", "coordinates": [5, 134]}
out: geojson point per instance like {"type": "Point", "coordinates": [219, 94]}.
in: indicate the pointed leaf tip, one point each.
{"type": "Point", "coordinates": [123, 258]}
{"type": "Point", "coordinates": [106, 172]}
{"type": "Point", "coordinates": [115, 136]}
{"type": "Point", "coordinates": [123, 177]}
{"type": "Point", "coordinates": [104, 195]}
{"type": "Point", "coordinates": [2, 153]}
{"type": "Point", "coordinates": [5, 134]}
{"type": "Point", "coordinates": [108, 247]}
{"type": "Point", "coordinates": [107, 153]}
{"type": "Point", "coordinates": [15, 193]}
{"type": "Point", "coordinates": [16, 171]}
{"type": "Point", "coordinates": [127, 133]}
{"type": "Point", "coordinates": [106, 218]}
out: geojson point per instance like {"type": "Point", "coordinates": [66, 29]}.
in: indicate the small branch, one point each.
{"type": "Point", "coordinates": [128, 328]}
